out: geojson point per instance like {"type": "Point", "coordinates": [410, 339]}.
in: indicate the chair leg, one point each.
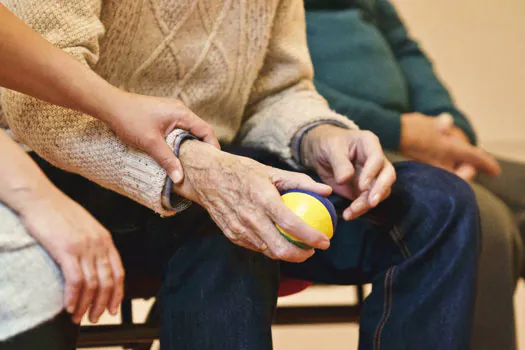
{"type": "Point", "coordinates": [126, 317]}
{"type": "Point", "coordinates": [360, 295]}
{"type": "Point", "coordinates": [152, 319]}
{"type": "Point", "coordinates": [126, 312]}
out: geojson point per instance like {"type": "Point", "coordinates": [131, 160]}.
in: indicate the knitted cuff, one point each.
{"type": "Point", "coordinates": [297, 140]}
{"type": "Point", "coordinates": [170, 200]}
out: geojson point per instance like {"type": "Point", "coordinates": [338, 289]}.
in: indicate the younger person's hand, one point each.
{"type": "Point", "coordinates": [144, 122]}
{"type": "Point", "coordinates": [82, 247]}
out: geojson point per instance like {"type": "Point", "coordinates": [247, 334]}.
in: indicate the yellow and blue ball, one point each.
{"type": "Point", "coordinates": [315, 210]}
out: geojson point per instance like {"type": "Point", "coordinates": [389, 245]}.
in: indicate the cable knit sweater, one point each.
{"type": "Point", "coordinates": [241, 65]}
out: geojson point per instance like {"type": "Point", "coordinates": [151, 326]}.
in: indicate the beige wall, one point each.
{"type": "Point", "coordinates": [478, 47]}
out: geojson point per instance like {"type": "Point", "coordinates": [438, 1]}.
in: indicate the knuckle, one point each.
{"type": "Point", "coordinates": [119, 276]}
{"type": "Point", "coordinates": [107, 283]}
{"type": "Point", "coordinates": [281, 252]}
{"type": "Point", "coordinates": [288, 223]}
{"type": "Point", "coordinates": [76, 281]}
{"type": "Point", "coordinates": [91, 283]}
{"type": "Point", "coordinates": [370, 135]}
{"type": "Point", "coordinates": [73, 247]}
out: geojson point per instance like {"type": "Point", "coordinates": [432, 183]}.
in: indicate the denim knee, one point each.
{"type": "Point", "coordinates": [444, 199]}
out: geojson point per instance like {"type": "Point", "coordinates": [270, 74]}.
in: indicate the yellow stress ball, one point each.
{"type": "Point", "coordinates": [316, 211]}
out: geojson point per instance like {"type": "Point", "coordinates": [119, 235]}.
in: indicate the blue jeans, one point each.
{"type": "Point", "coordinates": [419, 250]}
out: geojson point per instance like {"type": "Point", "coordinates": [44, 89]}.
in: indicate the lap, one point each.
{"type": "Point", "coordinates": [31, 288]}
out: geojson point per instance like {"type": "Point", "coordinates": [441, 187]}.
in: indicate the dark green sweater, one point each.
{"type": "Point", "coordinates": [368, 67]}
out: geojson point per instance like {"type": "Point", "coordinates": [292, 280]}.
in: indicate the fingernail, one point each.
{"type": "Point", "coordinates": [375, 200]}
{"type": "Point", "coordinates": [176, 176]}
{"type": "Point", "coordinates": [325, 244]}
{"type": "Point", "coordinates": [69, 309]}
{"type": "Point", "coordinates": [114, 311]}
{"type": "Point", "coordinates": [366, 184]}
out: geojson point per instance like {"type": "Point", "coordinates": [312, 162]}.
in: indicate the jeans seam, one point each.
{"type": "Point", "coordinates": [400, 242]}
{"type": "Point", "coordinates": [387, 307]}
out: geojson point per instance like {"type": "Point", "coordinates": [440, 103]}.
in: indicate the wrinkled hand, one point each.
{"type": "Point", "coordinates": [242, 196]}
{"type": "Point", "coordinates": [438, 142]}
{"type": "Point", "coordinates": [84, 250]}
{"type": "Point", "coordinates": [144, 122]}
{"type": "Point", "coordinates": [353, 163]}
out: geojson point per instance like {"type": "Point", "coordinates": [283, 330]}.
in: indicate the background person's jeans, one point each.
{"type": "Point", "coordinates": [419, 249]}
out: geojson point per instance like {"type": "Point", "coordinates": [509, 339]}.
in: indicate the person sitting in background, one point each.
{"type": "Point", "coordinates": [369, 68]}
{"type": "Point", "coordinates": [244, 67]}
{"type": "Point", "coordinates": [52, 251]}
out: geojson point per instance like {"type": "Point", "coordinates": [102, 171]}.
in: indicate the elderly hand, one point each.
{"type": "Point", "coordinates": [242, 197]}
{"type": "Point", "coordinates": [438, 142]}
{"type": "Point", "coordinates": [144, 122]}
{"type": "Point", "coordinates": [352, 162]}
{"type": "Point", "coordinates": [84, 250]}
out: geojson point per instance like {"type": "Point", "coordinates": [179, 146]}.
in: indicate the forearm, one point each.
{"type": "Point", "coordinates": [21, 181]}
{"type": "Point", "coordinates": [54, 76]}
{"type": "Point", "coordinates": [428, 95]}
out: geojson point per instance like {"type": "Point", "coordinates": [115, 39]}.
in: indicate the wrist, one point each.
{"type": "Point", "coordinates": [109, 104]}
{"type": "Point", "coordinates": [406, 140]}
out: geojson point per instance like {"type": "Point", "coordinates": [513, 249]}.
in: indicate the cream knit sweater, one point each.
{"type": "Point", "coordinates": [241, 65]}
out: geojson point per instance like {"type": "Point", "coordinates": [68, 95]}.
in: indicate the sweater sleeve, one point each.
{"type": "Point", "coordinates": [385, 123]}
{"type": "Point", "coordinates": [283, 100]}
{"type": "Point", "coordinates": [427, 93]}
{"type": "Point", "coordinates": [71, 140]}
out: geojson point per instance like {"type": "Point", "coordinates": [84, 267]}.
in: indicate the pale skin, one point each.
{"type": "Point", "coordinates": [242, 195]}
{"type": "Point", "coordinates": [80, 245]}
{"type": "Point", "coordinates": [438, 142]}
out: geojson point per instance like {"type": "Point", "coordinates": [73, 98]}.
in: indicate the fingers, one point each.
{"type": "Point", "coordinates": [198, 127]}
{"type": "Point", "coordinates": [383, 184]}
{"type": "Point", "coordinates": [74, 279]}
{"type": "Point", "coordinates": [118, 277]}
{"type": "Point", "coordinates": [358, 207]}
{"type": "Point", "coordinates": [88, 289]}
{"type": "Point", "coordinates": [105, 289]}
{"type": "Point", "coordinates": [444, 123]}
{"type": "Point", "coordinates": [290, 223]}
{"type": "Point", "coordinates": [342, 167]}
{"type": "Point", "coordinates": [288, 180]}
{"type": "Point", "coordinates": [373, 167]}
{"type": "Point", "coordinates": [466, 171]}
{"type": "Point", "coordinates": [477, 157]}
{"type": "Point", "coordinates": [372, 151]}
{"type": "Point", "coordinates": [278, 247]}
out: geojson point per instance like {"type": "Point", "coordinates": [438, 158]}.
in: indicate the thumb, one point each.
{"type": "Point", "coordinates": [288, 180]}
{"type": "Point", "coordinates": [165, 157]}
{"type": "Point", "coordinates": [444, 123]}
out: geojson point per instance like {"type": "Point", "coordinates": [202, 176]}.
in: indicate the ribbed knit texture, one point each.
{"type": "Point", "coordinates": [241, 65]}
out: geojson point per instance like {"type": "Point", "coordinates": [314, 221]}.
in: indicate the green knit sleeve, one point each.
{"type": "Point", "coordinates": [428, 95]}
{"type": "Point", "coordinates": [385, 123]}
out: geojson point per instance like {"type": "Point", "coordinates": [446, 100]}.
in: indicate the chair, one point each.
{"type": "Point", "coordinates": [135, 336]}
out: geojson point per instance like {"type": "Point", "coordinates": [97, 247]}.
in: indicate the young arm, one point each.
{"type": "Point", "coordinates": [31, 65]}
